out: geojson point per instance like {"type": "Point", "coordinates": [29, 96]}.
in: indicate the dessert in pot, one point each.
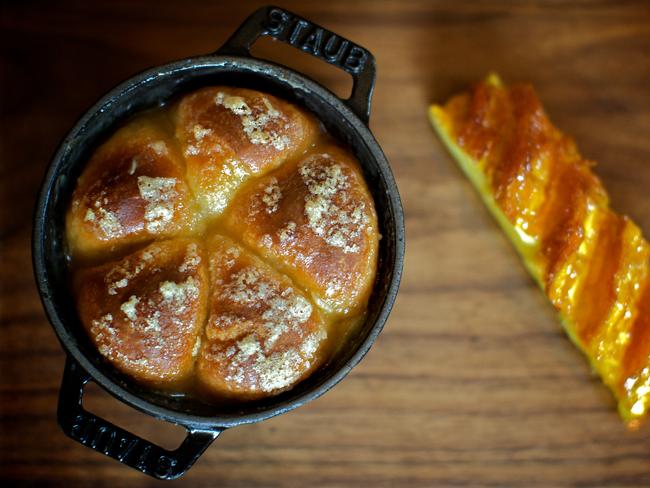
{"type": "Point", "coordinates": [223, 245]}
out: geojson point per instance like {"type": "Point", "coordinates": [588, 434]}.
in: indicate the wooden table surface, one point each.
{"type": "Point", "coordinates": [472, 382]}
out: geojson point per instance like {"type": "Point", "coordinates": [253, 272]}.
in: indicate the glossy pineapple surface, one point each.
{"type": "Point", "coordinates": [592, 263]}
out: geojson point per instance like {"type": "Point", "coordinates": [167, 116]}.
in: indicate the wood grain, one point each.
{"type": "Point", "coordinates": [472, 382]}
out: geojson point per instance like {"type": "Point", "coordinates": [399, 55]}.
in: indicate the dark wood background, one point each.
{"type": "Point", "coordinates": [472, 382]}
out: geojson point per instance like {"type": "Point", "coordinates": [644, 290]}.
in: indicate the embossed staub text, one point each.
{"type": "Point", "coordinates": [315, 40]}
{"type": "Point", "coordinates": [121, 445]}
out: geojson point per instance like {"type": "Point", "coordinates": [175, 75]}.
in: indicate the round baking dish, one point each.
{"type": "Point", "coordinates": [232, 64]}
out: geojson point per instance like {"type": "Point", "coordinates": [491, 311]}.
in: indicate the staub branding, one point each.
{"type": "Point", "coordinates": [315, 40]}
{"type": "Point", "coordinates": [118, 444]}
{"type": "Point", "coordinates": [101, 435]}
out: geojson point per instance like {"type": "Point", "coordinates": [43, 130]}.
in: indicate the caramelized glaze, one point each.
{"type": "Point", "coordinates": [262, 333]}
{"type": "Point", "coordinates": [144, 312]}
{"type": "Point", "coordinates": [228, 135]}
{"type": "Point", "coordinates": [132, 190]}
{"type": "Point", "coordinates": [592, 263]}
{"type": "Point", "coordinates": [284, 237]}
{"type": "Point", "coordinates": [312, 220]}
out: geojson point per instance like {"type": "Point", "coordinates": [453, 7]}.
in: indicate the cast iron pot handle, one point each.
{"type": "Point", "coordinates": [102, 436]}
{"type": "Point", "coordinates": [315, 40]}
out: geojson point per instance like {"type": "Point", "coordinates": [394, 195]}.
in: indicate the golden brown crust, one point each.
{"type": "Point", "coordinates": [132, 190]}
{"type": "Point", "coordinates": [638, 352]}
{"type": "Point", "coordinates": [171, 173]}
{"type": "Point", "coordinates": [263, 335]}
{"type": "Point", "coordinates": [316, 220]}
{"type": "Point", "coordinates": [228, 134]}
{"type": "Point", "coordinates": [593, 263]}
{"type": "Point", "coordinates": [538, 178]}
{"type": "Point", "coordinates": [144, 312]}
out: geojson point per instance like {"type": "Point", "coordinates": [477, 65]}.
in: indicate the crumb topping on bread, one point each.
{"type": "Point", "coordinates": [234, 238]}
{"type": "Point", "coordinates": [160, 195]}
{"type": "Point", "coordinates": [262, 332]}
{"type": "Point", "coordinates": [331, 211]}
{"type": "Point", "coordinates": [257, 122]}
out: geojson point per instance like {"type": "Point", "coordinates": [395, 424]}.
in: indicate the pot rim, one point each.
{"type": "Point", "coordinates": [235, 64]}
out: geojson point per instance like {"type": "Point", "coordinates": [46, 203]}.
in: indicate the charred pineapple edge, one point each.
{"type": "Point", "coordinates": [470, 168]}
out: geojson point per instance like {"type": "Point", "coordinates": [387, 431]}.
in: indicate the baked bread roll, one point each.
{"type": "Point", "coordinates": [178, 305]}
{"type": "Point", "coordinates": [145, 312]}
{"type": "Point", "coordinates": [315, 220]}
{"type": "Point", "coordinates": [262, 335]}
{"type": "Point", "coordinates": [229, 134]}
{"type": "Point", "coordinates": [132, 190]}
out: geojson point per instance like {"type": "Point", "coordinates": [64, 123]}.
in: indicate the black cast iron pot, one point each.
{"type": "Point", "coordinates": [231, 65]}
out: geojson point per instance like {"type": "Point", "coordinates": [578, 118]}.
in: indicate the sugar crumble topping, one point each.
{"type": "Point", "coordinates": [110, 344]}
{"type": "Point", "coordinates": [267, 241]}
{"type": "Point", "coordinates": [179, 295]}
{"type": "Point", "coordinates": [271, 196]}
{"type": "Point", "coordinates": [223, 320]}
{"type": "Point", "coordinates": [129, 308]}
{"type": "Point", "coordinates": [191, 150]}
{"type": "Point", "coordinates": [157, 329]}
{"type": "Point", "coordinates": [333, 287]}
{"type": "Point", "coordinates": [108, 221]}
{"type": "Point", "coordinates": [123, 283]}
{"type": "Point", "coordinates": [287, 233]}
{"type": "Point", "coordinates": [159, 193]}
{"type": "Point", "coordinates": [230, 256]}
{"type": "Point", "coordinates": [259, 357]}
{"type": "Point", "coordinates": [159, 147]}
{"type": "Point", "coordinates": [223, 261]}
{"type": "Point", "coordinates": [312, 341]}
{"type": "Point", "coordinates": [152, 321]}
{"type": "Point", "coordinates": [285, 312]}
{"type": "Point", "coordinates": [255, 122]}
{"type": "Point", "coordinates": [274, 371]}
{"type": "Point", "coordinates": [329, 207]}
{"type": "Point", "coordinates": [148, 329]}
{"type": "Point", "coordinates": [197, 144]}
{"type": "Point", "coordinates": [150, 253]}
{"type": "Point", "coordinates": [253, 358]}
{"type": "Point", "coordinates": [248, 346]}
{"type": "Point", "coordinates": [234, 167]}
{"type": "Point", "coordinates": [192, 258]}
{"type": "Point", "coordinates": [200, 132]}
{"type": "Point", "coordinates": [245, 287]}
{"type": "Point", "coordinates": [119, 276]}
{"type": "Point", "coordinates": [101, 326]}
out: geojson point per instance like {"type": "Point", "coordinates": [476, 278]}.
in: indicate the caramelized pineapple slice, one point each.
{"type": "Point", "coordinates": [592, 263]}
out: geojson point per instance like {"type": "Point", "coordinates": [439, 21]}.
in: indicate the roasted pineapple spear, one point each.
{"type": "Point", "coordinates": [593, 264]}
